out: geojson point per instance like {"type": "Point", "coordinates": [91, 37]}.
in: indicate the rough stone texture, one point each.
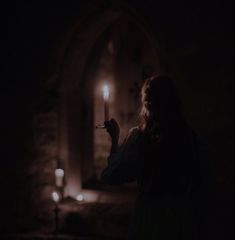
{"type": "Point", "coordinates": [45, 153]}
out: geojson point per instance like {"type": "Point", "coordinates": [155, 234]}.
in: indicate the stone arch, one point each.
{"type": "Point", "coordinates": [75, 58]}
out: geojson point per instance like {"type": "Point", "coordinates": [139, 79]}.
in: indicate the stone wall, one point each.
{"type": "Point", "coordinates": [45, 143]}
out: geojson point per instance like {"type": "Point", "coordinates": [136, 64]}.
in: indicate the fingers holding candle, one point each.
{"type": "Point", "coordinates": [113, 129]}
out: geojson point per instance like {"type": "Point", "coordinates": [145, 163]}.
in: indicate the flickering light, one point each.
{"type": "Point", "coordinates": [79, 197]}
{"type": "Point", "coordinates": [59, 176]}
{"type": "Point", "coordinates": [105, 92]}
{"type": "Point", "coordinates": [106, 102]}
{"type": "Point", "coordinates": [55, 197]}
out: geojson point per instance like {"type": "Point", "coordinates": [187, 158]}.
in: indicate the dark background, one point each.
{"type": "Point", "coordinates": [31, 31]}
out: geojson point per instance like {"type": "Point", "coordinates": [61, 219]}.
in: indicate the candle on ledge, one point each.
{"type": "Point", "coordinates": [55, 197]}
{"type": "Point", "coordinates": [80, 197]}
{"type": "Point", "coordinates": [59, 177]}
{"type": "Point", "coordinates": [106, 102]}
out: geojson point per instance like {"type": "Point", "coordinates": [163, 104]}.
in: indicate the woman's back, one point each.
{"type": "Point", "coordinates": [167, 164]}
{"type": "Point", "coordinates": [165, 206]}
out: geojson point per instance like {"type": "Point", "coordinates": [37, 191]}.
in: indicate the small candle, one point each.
{"type": "Point", "coordinates": [79, 197]}
{"type": "Point", "coordinates": [59, 176]}
{"type": "Point", "coordinates": [106, 102]}
{"type": "Point", "coordinates": [55, 197]}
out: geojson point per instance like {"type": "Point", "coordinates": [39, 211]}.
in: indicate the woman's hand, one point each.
{"type": "Point", "coordinates": [113, 129]}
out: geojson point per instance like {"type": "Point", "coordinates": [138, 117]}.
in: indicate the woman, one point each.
{"type": "Point", "coordinates": [159, 154]}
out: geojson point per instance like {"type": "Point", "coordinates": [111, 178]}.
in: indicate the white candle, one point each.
{"type": "Point", "coordinates": [59, 177]}
{"type": "Point", "coordinates": [55, 197]}
{"type": "Point", "coordinates": [80, 197]}
{"type": "Point", "coordinates": [106, 102]}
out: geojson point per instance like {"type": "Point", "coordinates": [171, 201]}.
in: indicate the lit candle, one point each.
{"type": "Point", "coordinates": [55, 197]}
{"type": "Point", "coordinates": [106, 102]}
{"type": "Point", "coordinates": [80, 197]}
{"type": "Point", "coordinates": [59, 176]}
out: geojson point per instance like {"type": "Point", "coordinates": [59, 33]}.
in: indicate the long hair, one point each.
{"type": "Point", "coordinates": [160, 104]}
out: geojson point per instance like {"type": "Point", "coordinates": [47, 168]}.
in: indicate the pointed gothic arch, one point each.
{"type": "Point", "coordinates": [74, 68]}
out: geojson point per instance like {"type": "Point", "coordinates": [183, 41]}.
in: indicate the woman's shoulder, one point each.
{"type": "Point", "coordinates": [134, 131]}
{"type": "Point", "coordinates": [133, 134]}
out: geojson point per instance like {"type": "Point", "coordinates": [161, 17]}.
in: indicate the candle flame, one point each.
{"type": "Point", "coordinates": [55, 197]}
{"type": "Point", "coordinates": [79, 197]}
{"type": "Point", "coordinates": [59, 172]}
{"type": "Point", "coordinates": [106, 92]}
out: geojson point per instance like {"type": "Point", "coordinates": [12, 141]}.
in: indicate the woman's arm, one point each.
{"type": "Point", "coordinates": [123, 161]}
{"type": "Point", "coordinates": [113, 129]}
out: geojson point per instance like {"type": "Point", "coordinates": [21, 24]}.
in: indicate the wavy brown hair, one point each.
{"type": "Point", "coordinates": [161, 106]}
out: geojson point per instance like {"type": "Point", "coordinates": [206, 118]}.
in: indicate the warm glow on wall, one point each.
{"type": "Point", "coordinates": [106, 102]}
{"type": "Point", "coordinates": [106, 92]}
